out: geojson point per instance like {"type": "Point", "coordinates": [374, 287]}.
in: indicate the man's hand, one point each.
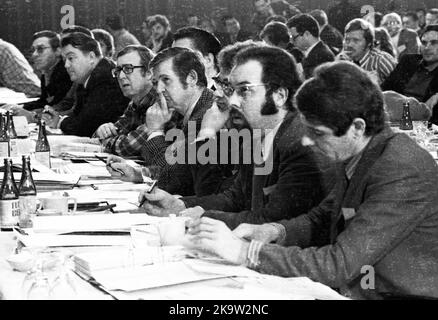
{"type": "Point", "coordinates": [432, 102]}
{"type": "Point", "coordinates": [158, 115]}
{"type": "Point", "coordinates": [193, 213]}
{"type": "Point", "coordinates": [214, 237]}
{"type": "Point", "coordinates": [106, 131]}
{"type": "Point", "coordinates": [265, 233]}
{"type": "Point", "coordinates": [159, 203]}
{"type": "Point", "coordinates": [213, 121]}
{"type": "Point", "coordinates": [18, 111]}
{"type": "Point", "coordinates": [120, 169]}
{"type": "Point", "coordinates": [51, 117]}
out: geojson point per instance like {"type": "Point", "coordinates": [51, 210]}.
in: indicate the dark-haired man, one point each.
{"type": "Point", "coordinates": [203, 42]}
{"type": "Point", "coordinates": [376, 234]}
{"type": "Point", "coordinates": [181, 84]}
{"type": "Point", "coordinates": [289, 181]}
{"type": "Point", "coordinates": [330, 35]}
{"type": "Point", "coordinates": [162, 36]}
{"type": "Point", "coordinates": [304, 30]}
{"type": "Point", "coordinates": [98, 96]}
{"type": "Point", "coordinates": [122, 37]}
{"type": "Point", "coordinates": [233, 31]}
{"type": "Point", "coordinates": [130, 133]}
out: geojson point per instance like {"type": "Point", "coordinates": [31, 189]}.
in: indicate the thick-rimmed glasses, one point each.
{"type": "Point", "coordinates": [242, 90]}
{"type": "Point", "coordinates": [126, 68]}
{"type": "Point", "coordinates": [39, 49]}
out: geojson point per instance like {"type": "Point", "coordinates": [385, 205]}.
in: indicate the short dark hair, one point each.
{"type": "Point", "coordinates": [320, 16]}
{"type": "Point", "coordinates": [431, 27]}
{"type": "Point", "coordinates": [338, 93]}
{"type": "Point", "coordinates": [378, 16]}
{"type": "Point", "coordinates": [54, 38]}
{"type": "Point", "coordinates": [159, 19]}
{"type": "Point", "coordinates": [106, 38]}
{"type": "Point", "coordinates": [184, 61]}
{"type": "Point", "coordinates": [433, 11]}
{"type": "Point", "coordinates": [279, 69]}
{"type": "Point", "coordinates": [412, 15]}
{"type": "Point", "coordinates": [73, 29]}
{"type": "Point", "coordinates": [204, 41]}
{"type": "Point", "coordinates": [303, 23]}
{"type": "Point", "coordinates": [226, 57]}
{"type": "Point", "coordinates": [366, 27]}
{"type": "Point", "coordinates": [115, 22]}
{"type": "Point", "coordinates": [82, 42]}
{"type": "Point", "coordinates": [276, 32]}
{"type": "Point", "coordinates": [146, 54]}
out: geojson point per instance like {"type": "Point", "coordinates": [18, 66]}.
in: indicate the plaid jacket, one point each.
{"type": "Point", "coordinates": [186, 179]}
{"type": "Point", "coordinates": [133, 133]}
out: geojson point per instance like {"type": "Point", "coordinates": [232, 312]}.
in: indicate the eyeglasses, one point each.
{"type": "Point", "coordinates": [39, 49]}
{"type": "Point", "coordinates": [431, 42]}
{"type": "Point", "coordinates": [242, 90]}
{"type": "Point", "coordinates": [126, 68]}
{"type": "Point", "coordinates": [295, 37]}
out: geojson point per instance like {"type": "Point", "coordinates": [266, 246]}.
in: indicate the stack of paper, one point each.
{"type": "Point", "coordinates": [8, 96]}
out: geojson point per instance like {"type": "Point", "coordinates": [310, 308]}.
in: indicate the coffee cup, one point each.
{"type": "Point", "coordinates": [56, 204]}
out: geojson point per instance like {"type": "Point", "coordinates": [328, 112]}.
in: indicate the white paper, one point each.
{"type": "Point", "coordinates": [53, 240]}
{"type": "Point", "coordinates": [8, 96]}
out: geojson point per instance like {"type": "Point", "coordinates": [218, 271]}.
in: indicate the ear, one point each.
{"type": "Point", "coordinates": [280, 97]}
{"type": "Point", "coordinates": [359, 127]}
{"type": "Point", "coordinates": [209, 60]}
{"type": "Point", "coordinates": [92, 57]}
{"type": "Point", "coordinates": [192, 78]}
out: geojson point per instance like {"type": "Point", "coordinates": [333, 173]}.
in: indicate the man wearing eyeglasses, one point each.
{"type": "Point", "coordinates": [262, 85]}
{"type": "Point", "coordinates": [417, 74]}
{"type": "Point", "coordinates": [127, 136]}
{"type": "Point", "coordinates": [16, 72]}
{"type": "Point", "coordinates": [304, 30]}
{"type": "Point", "coordinates": [99, 99]}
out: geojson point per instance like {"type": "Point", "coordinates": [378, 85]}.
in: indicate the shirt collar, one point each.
{"type": "Point", "coordinates": [307, 52]}
{"type": "Point", "coordinates": [86, 81]}
{"type": "Point", "coordinates": [351, 166]}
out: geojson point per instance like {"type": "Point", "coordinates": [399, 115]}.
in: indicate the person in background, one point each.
{"type": "Point", "coordinates": [328, 34]}
{"type": "Point", "coordinates": [193, 21]}
{"type": "Point", "coordinates": [359, 47]}
{"type": "Point", "coordinates": [130, 133]}
{"type": "Point", "coordinates": [99, 99]}
{"type": "Point", "coordinates": [122, 37]}
{"type": "Point", "coordinates": [263, 11]}
{"type": "Point", "coordinates": [208, 25]}
{"type": "Point", "coordinates": [381, 215]}
{"type": "Point", "coordinates": [233, 31]}
{"type": "Point", "coordinates": [383, 42]}
{"type": "Point", "coordinates": [162, 37]}
{"type": "Point", "coordinates": [203, 42]}
{"type": "Point", "coordinates": [147, 33]}
{"type": "Point", "coordinates": [432, 17]}
{"type": "Point", "coordinates": [55, 81]}
{"type": "Point", "coordinates": [106, 41]}
{"type": "Point", "coordinates": [15, 71]}
{"type": "Point", "coordinates": [277, 18]}
{"type": "Point", "coordinates": [405, 41]}
{"type": "Point", "coordinates": [304, 30]}
{"type": "Point", "coordinates": [342, 12]}
{"type": "Point", "coordinates": [411, 21]}
{"type": "Point", "coordinates": [421, 14]}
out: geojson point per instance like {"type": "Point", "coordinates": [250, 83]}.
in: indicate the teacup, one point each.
{"type": "Point", "coordinates": [56, 204]}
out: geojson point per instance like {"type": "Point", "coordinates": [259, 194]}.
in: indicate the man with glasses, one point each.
{"type": "Point", "coordinates": [263, 82]}
{"type": "Point", "coordinates": [98, 96]}
{"type": "Point", "coordinates": [359, 48]}
{"type": "Point", "coordinates": [16, 72]}
{"type": "Point", "coordinates": [417, 74]}
{"type": "Point", "coordinates": [128, 135]}
{"type": "Point", "coordinates": [304, 30]}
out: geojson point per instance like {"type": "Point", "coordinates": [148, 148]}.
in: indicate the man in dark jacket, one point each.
{"type": "Point", "coordinates": [417, 75]}
{"type": "Point", "coordinates": [99, 98]}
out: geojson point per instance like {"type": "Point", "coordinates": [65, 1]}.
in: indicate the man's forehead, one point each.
{"type": "Point", "coordinates": [129, 58]}
{"type": "Point", "coordinates": [314, 126]}
{"type": "Point", "coordinates": [248, 72]}
{"type": "Point", "coordinates": [430, 35]}
{"type": "Point", "coordinates": [40, 41]}
{"type": "Point", "coordinates": [357, 34]}
{"type": "Point", "coordinates": [185, 43]}
{"type": "Point", "coordinates": [164, 68]}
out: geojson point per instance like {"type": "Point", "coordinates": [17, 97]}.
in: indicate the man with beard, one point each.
{"type": "Point", "coordinates": [263, 82]}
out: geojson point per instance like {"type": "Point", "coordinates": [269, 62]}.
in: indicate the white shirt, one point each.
{"type": "Point", "coordinates": [307, 52]}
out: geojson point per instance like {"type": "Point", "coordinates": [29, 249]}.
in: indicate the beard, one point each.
{"type": "Point", "coordinates": [269, 108]}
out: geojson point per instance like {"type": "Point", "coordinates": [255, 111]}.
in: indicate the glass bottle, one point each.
{"type": "Point", "coordinates": [42, 150]}
{"type": "Point", "coordinates": [12, 134]}
{"type": "Point", "coordinates": [4, 138]}
{"type": "Point", "coordinates": [9, 199]}
{"type": "Point", "coordinates": [28, 193]}
{"type": "Point", "coordinates": [406, 121]}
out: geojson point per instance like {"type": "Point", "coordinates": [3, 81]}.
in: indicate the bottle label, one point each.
{"type": "Point", "coordinates": [4, 149]}
{"type": "Point", "coordinates": [9, 213]}
{"type": "Point", "coordinates": [28, 208]}
{"type": "Point", "coordinates": [13, 148]}
{"type": "Point", "coordinates": [43, 158]}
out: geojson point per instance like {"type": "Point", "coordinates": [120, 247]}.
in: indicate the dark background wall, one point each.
{"type": "Point", "coordinates": [19, 19]}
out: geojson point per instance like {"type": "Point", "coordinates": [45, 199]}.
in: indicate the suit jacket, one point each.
{"type": "Point", "coordinates": [385, 218]}
{"type": "Point", "coordinates": [332, 38]}
{"type": "Point", "coordinates": [101, 102]}
{"type": "Point", "coordinates": [55, 91]}
{"type": "Point", "coordinates": [408, 43]}
{"type": "Point", "coordinates": [403, 73]}
{"type": "Point", "coordinates": [295, 185]}
{"type": "Point", "coordinates": [320, 54]}
{"type": "Point", "coordinates": [186, 179]}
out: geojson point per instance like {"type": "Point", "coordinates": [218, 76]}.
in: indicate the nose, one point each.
{"type": "Point", "coordinates": [67, 64]}
{"type": "Point", "coordinates": [307, 142]}
{"type": "Point", "coordinates": [160, 86]}
{"type": "Point", "coordinates": [235, 101]}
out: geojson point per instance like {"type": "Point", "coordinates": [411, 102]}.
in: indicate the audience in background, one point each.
{"type": "Point", "coordinates": [263, 11]}
{"type": "Point", "coordinates": [233, 31]}
{"type": "Point", "coordinates": [421, 14]}
{"type": "Point", "coordinates": [162, 37]}
{"type": "Point", "coordinates": [411, 21]}
{"type": "Point", "coordinates": [122, 37]}
{"type": "Point", "coordinates": [147, 33]}
{"type": "Point", "coordinates": [432, 17]}
{"type": "Point", "coordinates": [106, 41]}
{"type": "Point", "coordinates": [193, 21]}
{"type": "Point", "coordinates": [383, 41]}
{"type": "Point", "coordinates": [330, 35]}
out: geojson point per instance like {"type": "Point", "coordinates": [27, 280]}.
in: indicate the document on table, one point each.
{"type": "Point", "coordinates": [8, 96]}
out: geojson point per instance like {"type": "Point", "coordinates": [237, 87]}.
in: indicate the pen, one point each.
{"type": "Point", "coordinates": [154, 184]}
{"type": "Point", "coordinates": [109, 165]}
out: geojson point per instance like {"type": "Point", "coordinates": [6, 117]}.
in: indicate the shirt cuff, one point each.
{"type": "Point", "coordinates": [155, 134]}
{"type": "Point", "coordinates": [252, 258]}
{"type": "Point", "coordinates": [281, 240]}
{"type": "Point", "coordinates": [61, 118]}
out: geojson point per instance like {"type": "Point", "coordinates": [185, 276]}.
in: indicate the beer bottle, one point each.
{"type": "Point", "coordinates": [9, 199]}
{"type": "Point", "coordinates": [42, 150]}
{"type": "Point", "coordinates": [406, 121]}
{"type": "Point", "coordinates": [28, 193]}
{"type": "Point", "coordinates": [4, 139]}
{"type": "Point", "coordinates": [13, 138]}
